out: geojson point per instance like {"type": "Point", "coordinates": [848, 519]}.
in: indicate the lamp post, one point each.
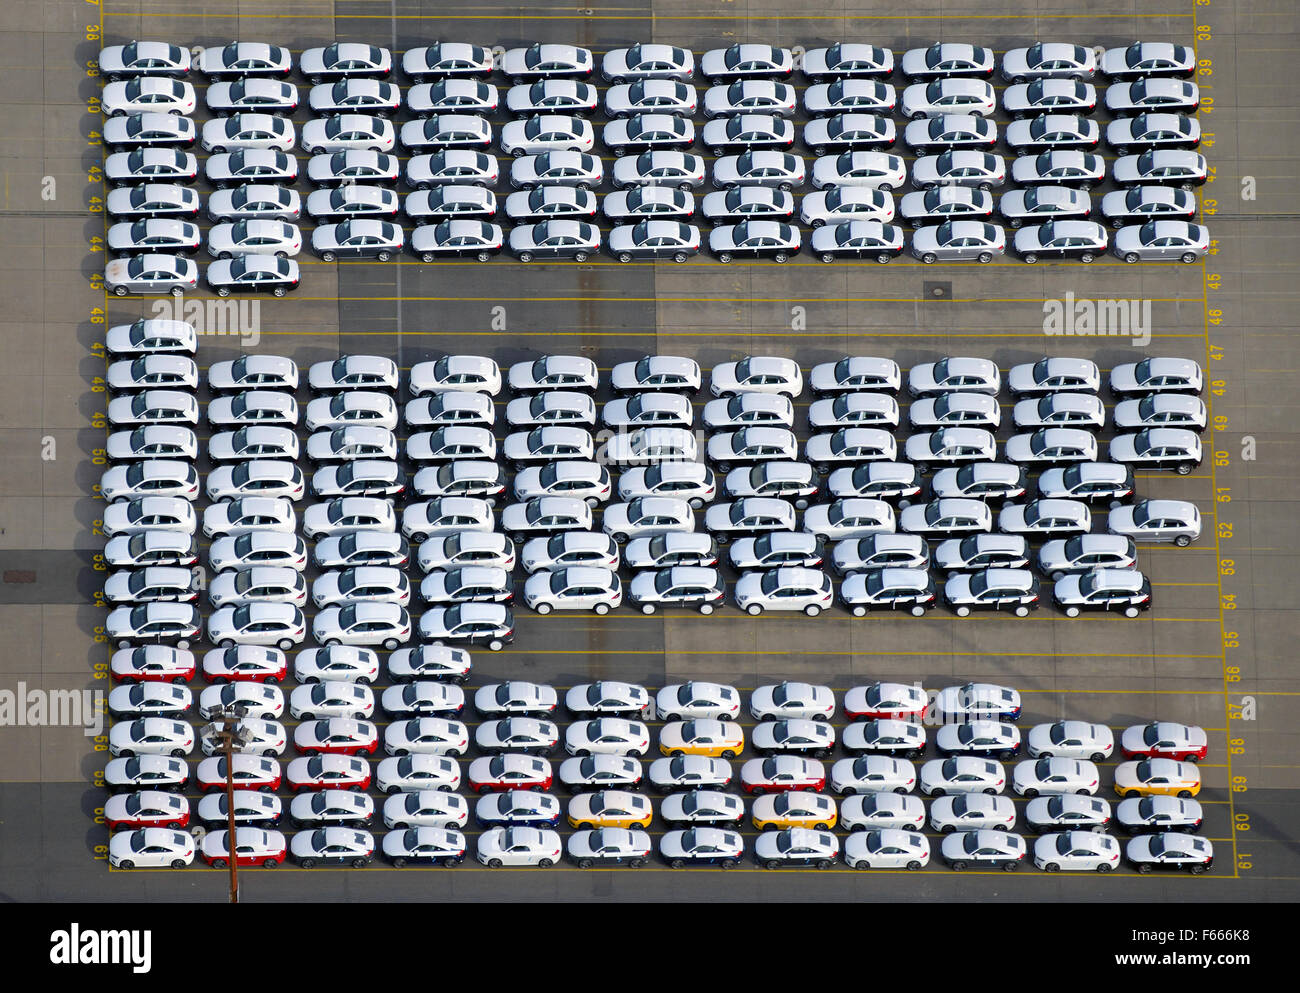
{"type": "Point", "coordinates": [226, 728]}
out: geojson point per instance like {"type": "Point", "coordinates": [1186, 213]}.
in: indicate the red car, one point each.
{"type": "Point", "coordinates": [253, 846]}
{"type": "Point", "coordinates": [249, 772]}
{"type": "Point", "coordinates": [245, 663]}
{"type": "Point", "coordinates": [781, 773]}
{"type": "Point", "coordinates": [152, 664]}
{"type": "Point", "coordinates": [336, 736]}
{"type": "Point", "coordinates": [509, 772]}
{"type": "Point", "coordinates": [1164, 740]}
{"type": "Point", "coordinates": [326, 772]}
{"type": "Point", "coordinates": [897, 700]}
{"type": "Point", "coordinates": [146, 808]}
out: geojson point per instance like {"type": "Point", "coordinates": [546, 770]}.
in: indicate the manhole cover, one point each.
{"type": "Point", "coordinates": [937, 291]}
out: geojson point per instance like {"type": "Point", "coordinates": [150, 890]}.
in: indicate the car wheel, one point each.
{"type": "Point", "coordinates": [327, 256]}
{"type": "Point", "coordinates": [1131, 257]}
{"type": "Point", "coordinates": [939, 791]}
{"type": "Point", "coordinates": [858, 610]}
{"type": "Point", "coordinates": [1029, 259]}
{"type": "Point", "coordinates": [958, 866]}
{"type": "Point", "coordinates": [753, 610]}
{"type": "Point", "coordinates": [780, 257]}
{"type": "Point", "coordinates": [384, 256]}
{"type": "Point", "coordinates": [580, 257]}
{"type": "Point", "coordinates": [1071, 611]}
{"type": "Point", "coordinates": [1021, 611]}
{"type": "Point", "coordinates": [1131, 611]}
{"type": "Point", "coordinates": [812, 610]}
{"type": "Point", "coordinates": [1087, 257]}
{"type": "Point", "coordinates": [219, 863]}
{"type": "Point", "coordinates": [1183, 469]}
{"type": "Point", "coordinates": [985, 258]}
{"type": "Point", "coordinates": [962, 611]}
{"type": "Point", "coordinates": [676, 864]}
{"type": "Point", "coordinates": [723, 257]}
{"type": "Point", "coordinates": [601, 608]}
{"type": "Point", "coordinates": [624, 257]}
{"type": "Point", "coordinates": [1010, 866]}
{"type": "Point", "coordinates": [525, 256]}
{"type": "Point", "coordinates": [1031, 793]}
{"type": "Point", "coordinates": [929, 258]}
{"type": "Point", "coordinates": [1051, 867]}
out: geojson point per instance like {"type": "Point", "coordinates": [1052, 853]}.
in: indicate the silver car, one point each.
{"type": "Point", "coordinates": [1160, 240]}
{"type": "Point", "coordinates": [957, 241]}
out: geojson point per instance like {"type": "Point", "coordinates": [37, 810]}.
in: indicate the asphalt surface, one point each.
{"type": "Point", "coordinates": [1215, 649]}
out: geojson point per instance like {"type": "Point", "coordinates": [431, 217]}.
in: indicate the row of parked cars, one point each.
{"type": "Point", "coordinates": [559, 480]}
{"type": "Point", "coordinates": [789, 806]}
{"type": "Point", "coordinates": [753, 208]}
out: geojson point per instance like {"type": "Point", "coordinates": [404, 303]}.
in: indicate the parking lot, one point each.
{"type": "Point", "coordinates": [1213, 650]}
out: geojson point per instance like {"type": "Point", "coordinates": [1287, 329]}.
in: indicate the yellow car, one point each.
{"type": "Point", "coordinates": [1157, 777]}
{"type": "Point", "coordinates": [702, 736]}
{"type": "Point", "coordinates": [795, 809]}
{"type": "Point", "coordinates": [610, 808]}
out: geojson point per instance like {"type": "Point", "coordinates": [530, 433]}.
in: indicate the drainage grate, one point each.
{"type": "Point", "coordinates": [20, 576]}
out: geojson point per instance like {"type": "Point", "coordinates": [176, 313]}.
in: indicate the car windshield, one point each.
{"type": "Point", "coordinates": [979, 583]}
{"type": "Point", "coordinates": [770, 584]}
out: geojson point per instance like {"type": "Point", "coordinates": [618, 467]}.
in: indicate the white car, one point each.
{"type": "Point", "coordinates": [345, 60]}
{"type": "Point", "coordinates": [152, 200]}
{"type": "Point", "coordinates": [752, 444]}
{"type": "Point", "coordinates": [361, 583]}
{"type": "Point", "coordinates": [746, 61]}
{"type": "Point", "coordinates": [149, 848]}
{"type": "Point", "coordinates": [150, 700]}
{"type": "Point", "coordinates": [947, 59]}
{"type": "Point", "coordinates": [338, 662]}
{"type": "Point", "coordinates": [426, 808]}
{"type": "Point", "coordinates": [429, 662]}
{"type": "Point", "coordinates": [364, 623]}
{"type": "Point", "coordinates": [1080, 851]}
{"type": "Point", "coordinates": [852, 518]}
{"type": "Point", "coordinates": [546, 133]}
{"type": "Point", "coordinates": [1070, 739]}
{"type": "Point", "coordinates": [151, 736]}
{"type": "Point", "coordinates": [347, 514]}
{"type": "Point", "coordinates": [569, 548]}
{"type": "Point", "coordinates": [519, 846]}
{"type": "Point", "coordinates": [786, 588]}
{"type": "Point", "coordinates": [261, 583]}
{"type": "Point", "coordinates": [349, 133]}
{"type": "Point", "coordinates": [972, 812]}
{"type": "Point", "coordinates": [874, 170]}
{"type": "Point", "coordinates": [607, 697]}
{"type": "Point", "coordinates": [428, 845]}
{"type": "Point", "coordinates": [757, 374]}
{"type": "Point", "coordinates": [332, 698]}
{"type": "Point", "coordinates": [151, 129]}
{"type": "Point", "coordinates": [952, 445]}
{"type": "Point", "coordinates": [151, 513]}
{"type": "Point", "coordinates": [685, 701]}
{"type": "Point", "coordinates": [152, 663]}
{"type": "Point", "coordinates": [872, 774]}
{"type": "Point", "coordinates": [1144, 59]}
{"type": "Point", "coordinates": [151, 273]}
{"type": "Point", "coordinates": [647, 516]}
{"type": "Point", "coordinates": [248, 131]}
{"type": "Point", "coordinates": [144, 58]}
{"type": "Point", "coordinates": [647, 61]}
{"type": "Point", "coordinates": [159, 477]}
{"type": "Point", "coordinates": [750, 96]}
{"type": "Point", "coordinates": [851, 445]}
{"type": "Point", "coordinates": [279, 624]}
{"type": "Point", "coordinates": [1033, 777]}
{"type": "Point", "coordinates": [607, 736]}
{"type": "Point", "coordinates": [887, 848]}
{"type": "Point", "coordinates": [953, 95]}
{"type": "Point", "coordinates": [791, 701]}
{"type": "Point", "coordinates": [520, 735]}
{"type": "Point", "coordinates": [573, 588]}
{"type": "Point", "coordinates": [869, 811]}
{"type": "Point", "coordinates": [747, 516]}
{"type": "Point", "coordinates": [355, 95]}
{"type": "Point", "coordinates": [962, 774]}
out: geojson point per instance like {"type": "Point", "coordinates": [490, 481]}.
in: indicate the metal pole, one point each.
{"type": "Point", "coordinates": [229, 737]}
